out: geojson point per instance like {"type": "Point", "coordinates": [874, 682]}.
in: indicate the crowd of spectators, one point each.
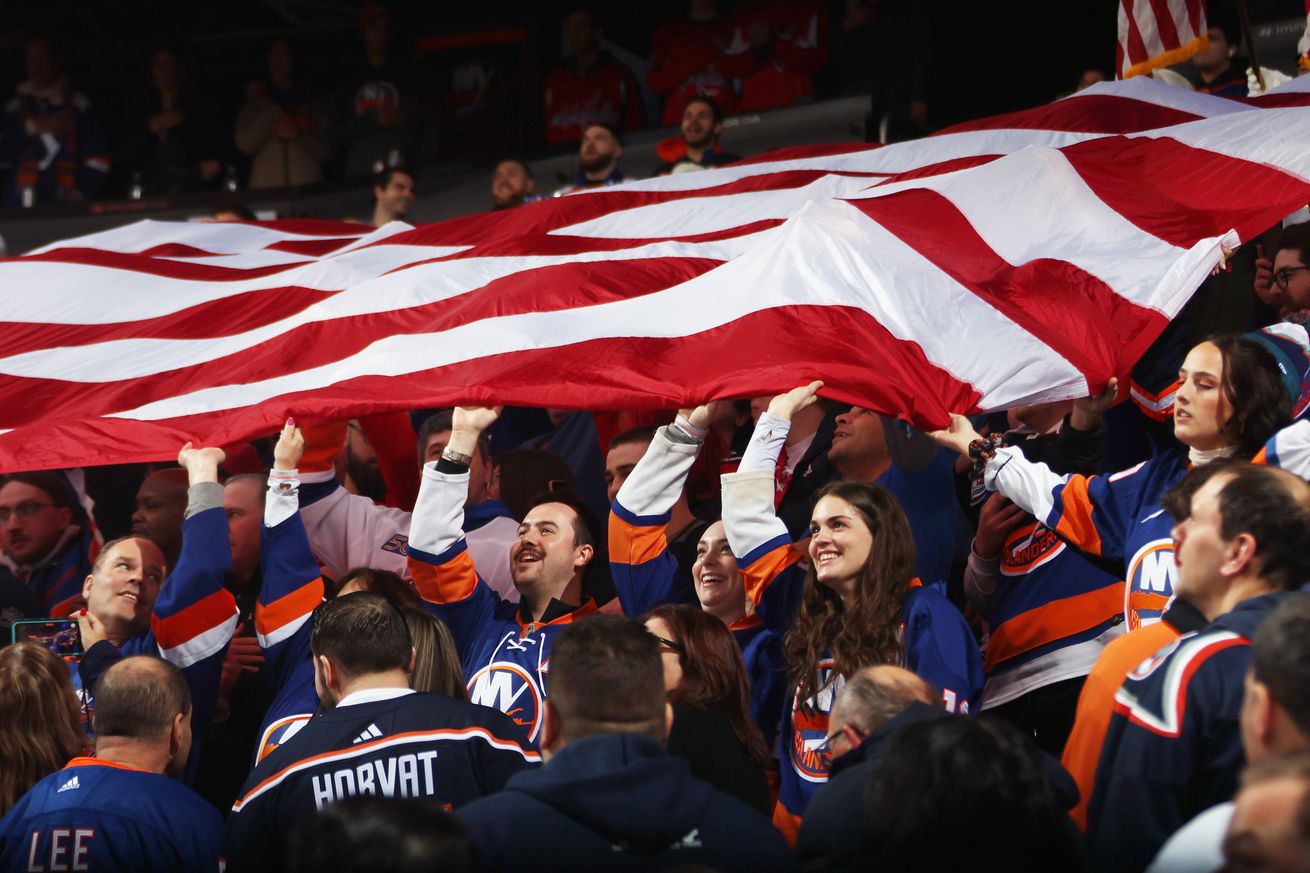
{"type": "Point", "coordinates": [184, 133]}
{"type": "Point", "coordinates": [760, 633]}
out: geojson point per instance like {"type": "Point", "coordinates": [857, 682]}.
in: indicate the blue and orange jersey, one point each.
{"type": "Point", "coordinates": [292, 589]}
{"type": "Point", "coordinates": [505, 658]}
{"type": "Point", "coordinates": [1049, 601]}
{"type": "Point", "coordinates": [937, 642]}
{"type": "Point", "coordinates": [193, 618]}
{"type": "Point", "coordinates": [96, 814]}
{"type": "Point", "coordinates": [766, 668]}
{"type": "Point", "coordinates": [1174, 745]}
{"type": "Point", "coordinates": [644, 571]}
{"type": "Point", "coordinates": [381, 742]}
{"type": "Point", "coordinates": [1118, 517]}
{"type": "Point", "coordinates": [1289, 449]}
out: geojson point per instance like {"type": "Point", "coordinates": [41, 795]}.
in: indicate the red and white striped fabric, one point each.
{"type": "Point", "coordinates": [1158, 33]}
{"type": "Point", "coordinates": [1012, 260]}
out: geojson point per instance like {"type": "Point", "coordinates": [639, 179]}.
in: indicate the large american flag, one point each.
{"type": "Point", "coordinates": [1158, 33]}
{"type": "Point", "coordinates": [1017, 259]}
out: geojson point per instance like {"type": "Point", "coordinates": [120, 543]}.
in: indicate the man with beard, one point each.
{"type": "Point", "coordinates": [512, 184]}
{"type": "Point", "coordinates": [699, 148]}
{"type": "Point", "coordinates": [504, 646]}
{"type": "Point", "coordinates": [598, 158]}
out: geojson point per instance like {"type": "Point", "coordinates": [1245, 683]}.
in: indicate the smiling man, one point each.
{"type": "Point", "coordinates": [188, 620]}
{"type": "Point", "coordinates": [702, 126]}
{"type": "Point", "coordinates": [505, 647]}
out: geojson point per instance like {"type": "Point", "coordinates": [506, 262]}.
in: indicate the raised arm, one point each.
{"type": "Point", "coordinates": [194, 616]}
{"type": "Point", "coordinates": [758, 537]}
{"type": "Point", "coordinates": [346, 530]}
{"type": "Point", "coordinates": [643, 569]}
{"type": "Point", "coordinates": [439, 561]}
{"type": "Point", "coordinates": [292, 589]}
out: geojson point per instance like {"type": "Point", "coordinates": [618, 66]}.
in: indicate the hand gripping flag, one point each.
{"type": "Point", "coordinates": [1016, 259]}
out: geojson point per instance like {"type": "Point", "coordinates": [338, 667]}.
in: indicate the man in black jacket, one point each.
{"type": "Point", "coordinates": [610, 797]}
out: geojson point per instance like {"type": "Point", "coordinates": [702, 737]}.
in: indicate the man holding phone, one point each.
{"type": "Point", "coordinates": [188, 620]}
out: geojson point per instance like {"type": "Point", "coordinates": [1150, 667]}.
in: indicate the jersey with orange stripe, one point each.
{"type": "Point", "coordinates": [1052, 613]}
{"type": "Point", "coordinates": [387, 742]}
{"type": "Point", "coordinates": [1289, 449]}
{"type": "Point", "coordinates": [194, 616]}
{"type": "Point", "coordinates": [292, 589]}
{"type": "Point", "coordinates": [1118, 517]}
{"type": "Point", "coordinates": [937, 642]}
{"type": "Point", "coordinates": [1174, 744]}
{"type": "Point", "coordinates": [505, 657]}
{"type": "Point", "coordinates": [645, 571]}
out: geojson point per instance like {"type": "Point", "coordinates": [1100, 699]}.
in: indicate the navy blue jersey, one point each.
{"type": "Point", "coordinates": [413, 745]}
{"type": "Point", "coordinates": [1174, 746]}
{"type": "Point", "coordinates": [100, 816]}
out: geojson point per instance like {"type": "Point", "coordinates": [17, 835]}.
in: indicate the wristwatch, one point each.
{"type": "Point", "coordinates": [457, 457]}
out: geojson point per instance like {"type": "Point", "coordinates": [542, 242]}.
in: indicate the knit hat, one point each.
{"type": "Point", "coordinates": [1290, 346]}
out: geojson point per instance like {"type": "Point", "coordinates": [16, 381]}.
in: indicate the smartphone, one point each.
{"type": "Point", "coordinates": [60, 635]}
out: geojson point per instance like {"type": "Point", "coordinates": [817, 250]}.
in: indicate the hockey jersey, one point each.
{"type": "Point", "coordinates": [1118, 517]}
{"type": "Point", "coordinates": [574, 98]}
{"type": "Point", "coordinates": [392, 743]}
{"type": "Point", "coordinates": [291, 591]}
{"type": "Point", "coordinates": [1051, 615]}
{"type": "Point", "coordinates": [505, 657]}
{"type": "Point", "coordinates": [193, 618]}
{"type": "Point", "coordinates": [1174, 744]}
{"type": "Point", "coordinates": [936, 641]}
{"type": "Point", "coordinates": [645, 570]}
{"type": "Point", "coordinates": [99, 815]}
{"type": "Point", "coordinates": [1289, 449]}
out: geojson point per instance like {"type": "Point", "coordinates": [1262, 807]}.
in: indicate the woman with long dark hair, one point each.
{"type": "Point", "coordinates": [705, 678]}
{"type": "Point", "coordinates": [859, 602]}
{"type": "Point", "coordinates": [1230, 400]}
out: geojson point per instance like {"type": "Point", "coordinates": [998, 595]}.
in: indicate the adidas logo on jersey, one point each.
{"type": "Point", "coordinates": [370, 733]}
{"type": "Point", "coordinates": [70, 785]}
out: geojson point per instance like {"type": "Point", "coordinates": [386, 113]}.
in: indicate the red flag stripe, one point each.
{"type": "Point", "coordinates": [844, 345]}
{"type": "Point", "coordinates": [558, 288]}
{"type": "Point", "coordinates": [936, 229]}
{"type": "Point", "coordinates": [1164, 22]}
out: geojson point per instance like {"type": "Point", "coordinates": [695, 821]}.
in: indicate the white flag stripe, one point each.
{"type": "Point", "coordinates": [1261, 138]}
{"type": "Point", "coordinates": [212, 236]}
{"type": "Point", "coordinates": [127, 295]}
{"type": "Point", "coordinates": [251, 260]}
{"type": "Point", "coordinates": [860, 263]}
{"type": "Point", "coordinates": [714, 214]}
{"type": "Point", "coordinates": [1148, 90]}
{"type": "Point", "coordinates": [114, 360]}
{"type": "Point", "coordinates": [1144, 15]}
{"type": "Point", "coordinates": [821, 257]}
{"type": "Point", "coordinates": [1061, 217]}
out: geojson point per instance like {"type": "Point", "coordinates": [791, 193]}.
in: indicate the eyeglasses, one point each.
{"type": "Point", "coordinates": [826, 745]}
{"type": "Point", "coordinates": [26, 509]}
{"type": "Point", "coordinates": [671, 645]}
{"type": "Point", "coordinates": [1282, 276]}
